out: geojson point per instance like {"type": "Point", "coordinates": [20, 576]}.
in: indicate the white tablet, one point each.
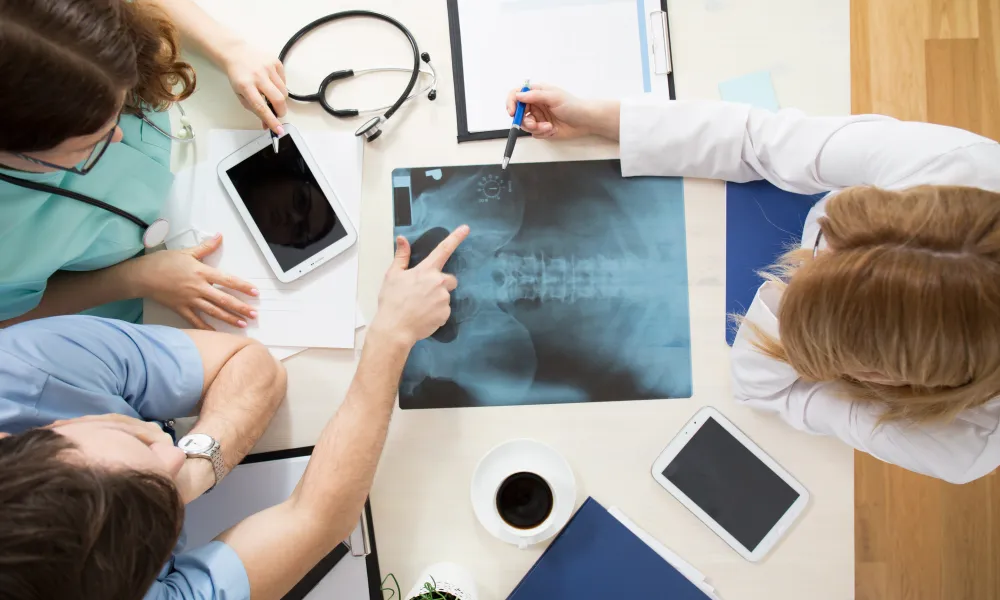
{"type": "Point", "coordinates": [729, 483]}
{"type": "Point", "coordinates": [287, 205]}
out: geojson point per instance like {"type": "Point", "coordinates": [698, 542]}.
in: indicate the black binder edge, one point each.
{"type": "Point", "coordinates": [371, 561]}
{"type": "Point", "coordinates": [458, 79]}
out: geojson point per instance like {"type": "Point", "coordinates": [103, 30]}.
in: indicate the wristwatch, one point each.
{"type": "Point", "coordinates": [200, 445]}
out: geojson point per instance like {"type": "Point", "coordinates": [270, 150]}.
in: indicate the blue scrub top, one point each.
{"type": "Point", "coordinates": [70, 366]}
{"type": "Point", "coordinates": [43, 233]}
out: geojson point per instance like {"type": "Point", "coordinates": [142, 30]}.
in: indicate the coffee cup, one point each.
{"type": "Point", "coordinates": [523, 492]}
{"type": "Point", "coordinates": [524, 501]}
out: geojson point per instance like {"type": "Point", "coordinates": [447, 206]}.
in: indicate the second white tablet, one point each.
{"type": "Point", "coordinates": [728, 482]}
{"type": "Point", "coordinates": [287, 205]}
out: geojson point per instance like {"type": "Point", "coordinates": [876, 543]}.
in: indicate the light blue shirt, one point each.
{"type": "Point", "coordinates": [66, 367]}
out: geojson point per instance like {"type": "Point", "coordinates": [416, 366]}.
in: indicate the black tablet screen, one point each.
{"type": "Point", "coordinates": [286, 203]}
{"type": "Point", "coordinates": [728, 482]}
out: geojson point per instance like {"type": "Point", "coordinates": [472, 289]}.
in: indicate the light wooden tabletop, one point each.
{"type": "Point", "coordinates": [421, 493]}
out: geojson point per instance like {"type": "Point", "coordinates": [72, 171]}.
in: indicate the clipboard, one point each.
{"type": "Point", "coordinates": [653, 52]}
{"type": "Point", "coordinates": [360, 547]}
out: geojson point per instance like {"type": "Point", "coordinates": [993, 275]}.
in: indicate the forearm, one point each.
{"type": "Point", "coordinates": [196, 26]}
{"type": "Point", "coordinates": [605, 118]}
{"type": "Point", "coordinates": [70, 292]}
{"type": "Point", "coordinates": [238, 404]}
{"type": "Point", "coordinates": [326, 505]}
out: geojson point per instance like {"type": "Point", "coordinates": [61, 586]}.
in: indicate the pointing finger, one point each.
{"type": "Point", "coordinates": [440, 255]}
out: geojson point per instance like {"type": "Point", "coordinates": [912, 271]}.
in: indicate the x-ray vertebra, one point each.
{"type": "Point", "coordinates": [572, 285]}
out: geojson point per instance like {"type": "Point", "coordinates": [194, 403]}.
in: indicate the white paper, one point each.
{"type": "Point", "coordinates": [318, 310]}
{"type": "Point", "coordinates": [251, 488]}
{"type": "Point", "coordinates": [592, 47]}
{"type": "Point", "coordinates": [683, 567]}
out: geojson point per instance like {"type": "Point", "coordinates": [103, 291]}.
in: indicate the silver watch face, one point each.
{"type": "Point", "coordinates": [196, 443]}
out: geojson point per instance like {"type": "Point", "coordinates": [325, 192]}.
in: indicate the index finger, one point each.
{"type": "Point", "coordinates": [440, 255]}
{"type": "Point", "coordinates": [217, 277]}
{"type": "Point", "coordinates": [259, 107]}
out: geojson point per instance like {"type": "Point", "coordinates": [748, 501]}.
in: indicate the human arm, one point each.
{"type": "Point", "coordinates": [324, 508]}
{"type": "Point", "coordinates": [98, 366]}
{"type": "Point", "coordinates": [175, 278]}
{"type": "Point", "coordinates": [798, 153]}
{"type": "Point", "coordinates": [252, 73]}
{"type": "Point", "coordinates": [243, 387]}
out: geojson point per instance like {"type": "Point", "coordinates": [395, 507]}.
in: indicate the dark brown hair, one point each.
{"type": "Point", "coordinates": [67, 66]}
{"type": "Point", "coordinates": [69, 530]}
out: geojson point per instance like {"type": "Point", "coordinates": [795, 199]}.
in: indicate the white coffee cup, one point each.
{"type": "Point", "coordinates": [523, 456]}
{"type": "Point", "coordinates": [525, 536]}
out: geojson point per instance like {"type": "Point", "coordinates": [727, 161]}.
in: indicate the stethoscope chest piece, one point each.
{"type": "Point", "coordinates": [156, 233]}
{"type": "Point", "coordinates": [370, 129]}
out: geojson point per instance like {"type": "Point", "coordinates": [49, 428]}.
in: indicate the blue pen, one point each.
{"type": "Point", "coordinates": [516, 127]}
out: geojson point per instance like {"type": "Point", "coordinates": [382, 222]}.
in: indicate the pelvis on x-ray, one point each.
{"type": "Point", "coordinates": [572, 285]}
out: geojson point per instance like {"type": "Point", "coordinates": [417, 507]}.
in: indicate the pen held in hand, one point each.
{"type": "Point", "coordinates": [515, 128]}
{"type": "Point", "coordinates": [274, 136]}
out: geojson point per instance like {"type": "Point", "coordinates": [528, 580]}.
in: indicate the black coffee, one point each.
{"type": "Point", "coordinates": [524, 500]}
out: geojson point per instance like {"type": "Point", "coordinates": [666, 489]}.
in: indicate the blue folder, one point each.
{"type": "Point", "coordinates": [762, 223]}
{"type": "Point", "coordinates": [595, 557]}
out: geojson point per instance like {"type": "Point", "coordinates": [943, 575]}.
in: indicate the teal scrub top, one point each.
{"type": "Point", "coordinates": [43, 233]}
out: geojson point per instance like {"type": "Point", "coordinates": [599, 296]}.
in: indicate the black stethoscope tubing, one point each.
{"type": "Point", "coordinates": [51, 189]}
{"type": "Point", "coordinates": [320, 96]}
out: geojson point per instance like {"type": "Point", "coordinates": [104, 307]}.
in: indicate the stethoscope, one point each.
{"type": "Point", "coordinates": [372, 128]}
{"type": "Point", "coordinates": [153, 234]}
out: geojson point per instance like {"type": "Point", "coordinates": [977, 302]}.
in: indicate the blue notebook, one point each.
{"type": "Point", "coordinates": [762, 223]}
{"type": "Point", "coordinates": [595, 557]}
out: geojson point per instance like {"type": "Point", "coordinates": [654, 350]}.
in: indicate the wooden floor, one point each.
{"type": "Point", "coordinates": [928, 60]}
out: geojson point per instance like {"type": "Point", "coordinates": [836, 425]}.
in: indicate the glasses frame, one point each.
{"type": "Point", "coordinates": [89, 163]}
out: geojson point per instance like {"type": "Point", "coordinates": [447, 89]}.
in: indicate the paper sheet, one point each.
{"type": "Point", "coordinates": [754, 89]}
{"type": "Point", "coordinates": [502, 46]}
{"type": "Point", "coordinates": [251, 488]}
{"type": "Point", "coordinates": [683, 567]}
{"type": "Point", "coordinates": [317, 310]}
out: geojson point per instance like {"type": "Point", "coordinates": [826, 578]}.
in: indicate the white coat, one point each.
{"type": "Point", "coordinates": [808, 155]}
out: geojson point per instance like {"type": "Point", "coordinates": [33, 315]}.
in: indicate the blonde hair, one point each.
{"type": "Point", "coordinates": [909, 289]}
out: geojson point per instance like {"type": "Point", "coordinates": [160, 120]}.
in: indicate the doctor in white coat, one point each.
{"type": "Point", "coordinates": [889, 313]}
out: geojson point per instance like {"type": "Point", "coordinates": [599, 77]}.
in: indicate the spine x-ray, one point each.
{"type": "Point", "coordinates": [572, 285]}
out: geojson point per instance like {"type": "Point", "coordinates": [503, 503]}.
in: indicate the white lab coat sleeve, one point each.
{"type": "Point", "coordinates": [798, 153]}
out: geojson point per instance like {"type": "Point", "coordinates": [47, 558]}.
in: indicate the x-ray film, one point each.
{"type": "Point", "coordinates": [572, 285]}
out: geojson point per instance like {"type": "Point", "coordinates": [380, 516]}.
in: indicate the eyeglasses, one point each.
{"type": "Point", "coordinates": [819, 236]}
{"type": "Point", "coordinates": [85, 167]}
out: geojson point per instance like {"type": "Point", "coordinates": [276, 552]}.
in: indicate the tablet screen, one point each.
{"type": "Point", "coordinates": [286, 203]}
{"type": "Point", "coordinates": [728, 482]}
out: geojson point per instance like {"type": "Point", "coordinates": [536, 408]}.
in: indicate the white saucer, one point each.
{"type": "Point", "coordinates": [522, 455]}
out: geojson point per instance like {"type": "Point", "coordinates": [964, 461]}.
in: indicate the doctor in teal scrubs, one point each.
{"type": "Point", "coordinates": [85, 89]}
